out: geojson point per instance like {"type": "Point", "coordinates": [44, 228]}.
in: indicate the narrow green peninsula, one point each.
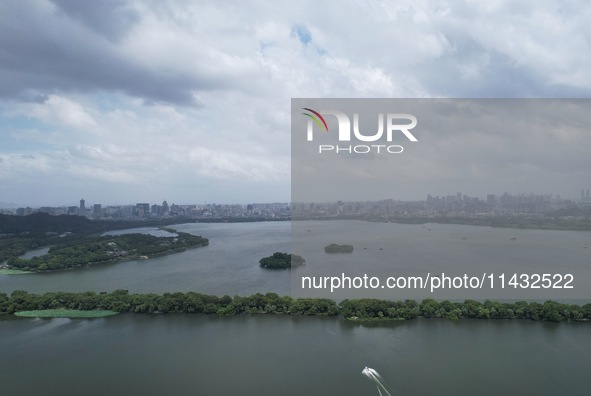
{"type": "Point", "coordinates": [107, 249]}
{"type": "Point", "coordinates": [357, 310]}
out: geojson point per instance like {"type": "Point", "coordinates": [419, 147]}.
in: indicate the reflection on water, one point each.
{"type": "Point", "coordinates": [270, 355]}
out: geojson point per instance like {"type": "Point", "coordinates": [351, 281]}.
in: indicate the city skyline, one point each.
{"type": "Point", "coordinates": [191, 101]}
{"type": "Point", "coordinates": [584, 197]}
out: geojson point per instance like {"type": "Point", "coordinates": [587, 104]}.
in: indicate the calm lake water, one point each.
{"type": "Point", "coordinates": [271, 355]}
{"type": "Point", "coordinates": [402, 250]}
{"type": "Point", "coordinates": [268, 355]}
{"type": "Point", "coordinates": [229, 265]}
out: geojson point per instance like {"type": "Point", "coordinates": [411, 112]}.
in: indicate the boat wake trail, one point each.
{"type": "Point", "coordinates": [378, 380]}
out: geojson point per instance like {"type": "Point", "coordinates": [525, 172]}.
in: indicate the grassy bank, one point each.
{"type": "Point", "coordinates": [13, 272]}
{"type": "Point", "coordinates": [65, 313]}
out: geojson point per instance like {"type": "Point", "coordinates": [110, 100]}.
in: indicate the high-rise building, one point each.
{"type": "Point", "coordinates": [97, 211]}
{"type": "Point", "coordinates": [142, 209]}
{"type": "Point", "coordinates": [82, 208]}
{"type": "Point", "coordinates": [155, 210]}
{"type": "Point", "coordinates": [491, 199]}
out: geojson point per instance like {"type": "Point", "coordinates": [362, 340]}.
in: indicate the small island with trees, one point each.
{"type": "Point", "coordinates": [334, 248]}
{"type": "Point", "coordinates": [281, 261]}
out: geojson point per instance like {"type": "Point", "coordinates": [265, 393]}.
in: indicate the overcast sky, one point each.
{"type": "Point", "coordinates": [122, 101]}
{"type": "Point", "coordinates": [472, 146]}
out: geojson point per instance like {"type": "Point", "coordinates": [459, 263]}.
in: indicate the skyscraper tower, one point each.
{"type": "Point", "coordinates": [82, 208]}
{"type": "Point", "coordinates": [97, 210]}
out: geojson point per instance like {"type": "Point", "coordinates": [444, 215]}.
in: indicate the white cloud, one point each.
{"type": "Point", "coordinates": [177, 93]}
{"type": "Point", "coordinates": [57, 111]}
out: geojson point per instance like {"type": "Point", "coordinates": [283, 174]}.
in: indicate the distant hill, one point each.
{"type": "Point", "coordinates": [38, 223]}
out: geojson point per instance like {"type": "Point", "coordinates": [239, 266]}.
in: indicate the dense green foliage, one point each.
{"type": "Point", "coordinates": [14, 247]}
{"type": "Point", "coordinates": [40, 223]}
{"type": "Point", "coordinates": [19, 234]}
{"type": "Point", "coordinates": [281, 261]}
{"type": "Point", "coordinates": [370, 309]}
{"type": "Point", "coordinates": [107, 249]}
{"type": "Point", "coordinates": [271, 303]}
{"type": "Point", "coordinates": [334, 248]}
{"type": "Point", "coordinates": [122, 301]}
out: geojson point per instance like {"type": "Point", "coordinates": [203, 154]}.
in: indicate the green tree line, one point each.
{"type": "Point", "coordinates": [272, 303]}
{"type": "Point", "coordinates": [372, 309]}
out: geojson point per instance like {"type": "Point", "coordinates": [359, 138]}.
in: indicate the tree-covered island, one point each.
{"type": "Point", "coordinates": [335, 248]}
{"type": "Point", "coordinates": [107, 249]}
{"type": "Point", "coordinates": [281, 261]}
